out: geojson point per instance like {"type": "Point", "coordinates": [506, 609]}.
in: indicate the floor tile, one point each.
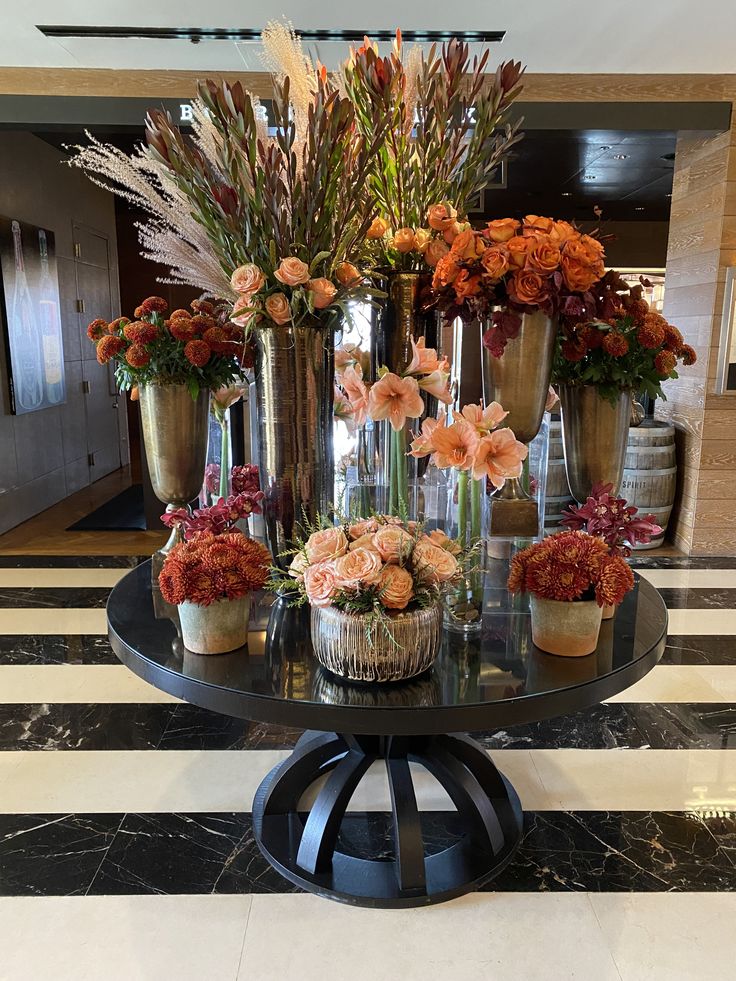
{"type": "Point", "coordinates": [74, 621]}
{"type": "Point", "coordinates": [699, 649]}
{"type": "Point", "coordinates": [55, 598]}
{"type": "Point", "coordinates": [675, 683]}
{"type": "Point", "coordinates": [690, 578]}
{"type": "Point", "coordinates": [718, 622]}
{"type": "Point", "coordinates": [56, 649]}
{"type": "Point", "coordinates": [59, 578]}
{"type": "Point", "coordinates": [76, 683]}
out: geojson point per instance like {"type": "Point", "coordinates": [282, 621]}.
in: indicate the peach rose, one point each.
{"type": "Point", "coordinates": [433, 563]}
{"type": "Point", "coordinates": [466, 285]}
{"type": "Point", "coordinates": [441, 540]}
{"type": "Point", "coordinates": [292, 272]}
{"type": "Point", "coordinates": [528, 286]}
{"type": "Point", "coordinates": [517, 249]}
{"type": "Point", "coordinates": [330, 543]}
{"type": "Point", "coordinates": [502, 229]}
{"type": "Point", "coordinates": [561, 232]}
{"type": "Point", "coordinates": [451, 233]}
{"type": "Point", "coordinates": [441, 216]}
{"type": "Point", "coordinates": [422, 238]}
{"type": "Point", "coordinates": [298, 566]}
{"type": "Point", "coordinates": [347, 274]}
{"type": "Point", "coordinates": [543, 256]}
{"type": "Point", "coordinates": [378, 228]}
{"type": "Point", "coordinates": [467, 245]}
{"type": "Point", "coordinates": [436, 250]}
{"type": "Point", "coordinates": [495, 262]}
{"type": "Point", "coordinates": [403, 240]}
{"type": "Point", "coordinates": [244, 310]}
{"type": "Point", "coordinates": [277, 308]}
{"type": "Point", "coordinates": [323, 292]}
{"type": "Point", "coordinates": [445, 272]}
{"type": "Point", "coordinates": [320, 584]}
{"type": "Point", "coordinates": [361, 567]}
{"type": "Point", "coordinates": [393, 543]}
{"type": "Point", "coordinates": [247, 279]}
{"type": "Point", "coordinates": [396, 587]}
{"type": "Point", "coordinates": [366, 526]}
{"type": "Point", "coordinates": [365, 541]}
{"type": "Point", "coordinates": [534, 224]}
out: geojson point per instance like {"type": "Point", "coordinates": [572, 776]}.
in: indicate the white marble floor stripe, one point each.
{"type": "Point", "coordinates": [153, 781]}
{"type": "Point", "coordinates": [710, 622]}
{"type": "Point", "coordinates": [690, 578]}
{"type": "Point", "coordinates": [113, 683]}
{"type": "Point", "coordinates": [59, 578]}
{"type": "Point", "coordinates": [27, 620]}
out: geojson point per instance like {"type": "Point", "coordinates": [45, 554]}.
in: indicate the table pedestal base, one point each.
{"type": "Point", "coordinates": [307, 850]}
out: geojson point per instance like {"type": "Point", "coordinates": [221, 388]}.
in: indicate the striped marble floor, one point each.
{"type": "Point", "coordinates": [126, 846]}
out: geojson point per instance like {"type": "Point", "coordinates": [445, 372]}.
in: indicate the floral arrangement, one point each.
{"type": "Point", "coordinates": [213, 567]}
{"type": "Point", "coordinates": [219, 519]}
{"type": "Point", "coordinates": [612, 519]}
{"type": "Point", "coordinates": [571, 565]}
{"type": "Point", "coordinates": [195, 349]}
{"type": "Point", "coordinates": [627, 345]}
{"type": "Point", "coordinates": [376, 566]}
{"type": "Point", "coordinates": [242, 478]}
{"type": "Point", "coordinates": [440, 127]}
{"type": "Point", "coordinates": [520, 266]}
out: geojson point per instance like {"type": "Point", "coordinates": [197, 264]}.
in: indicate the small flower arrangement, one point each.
{"type": "Point", "coordinates": [570, 566]}
{"type": "Point", "coordinates": [520, 266]}
{"type": "Point", "coordinates": [200, 349]}
{"type": "Point", "coordinates": [213, 567]}
{"type": "Point", "coordinates": [612, 519]}
{"type": "Point", "coordinates": [218, 519]}
{"type": "Point", "coordinates": [627, 346]}
{"type": "Point", "coordinates": [242, 478]}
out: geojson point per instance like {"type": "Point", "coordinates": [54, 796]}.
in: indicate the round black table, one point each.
{"type": "Point", "coordinates": [497, 678]}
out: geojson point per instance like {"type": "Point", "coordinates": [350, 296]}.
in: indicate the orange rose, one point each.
{"type": "Point", "coordinates": [378, 229]}
{"type": "Point", "coordinates": [445, 272]}
{"type": "Point", "coordinates": [404, 240]}
{"type": "Point", "coordinates": [441, 216]}
{"type": "Point", "coordinates": [495, 262]}
{"type": "Point", "coordinates": [323, 292]}
{"type": "Point", "coordinates": [292, 272]}
{"type": "Point", "coordinates": [534, 224]}
{"type": "Point", "coordinates": [453, 230]}
{"type": "Point", "coordinates": [502, 229]}
{"type": "Point", "coordinates": [543, 256]}
{"type": "Point", "coordinates": [422, 238]}
{"type": "Point", "coordinates": [592, 246]}
{"type": "Point", "coordinates": [561, 232]}
{"type": "Point", "coordinates": [467, 245]}
{"type": "Point", "coordinates": [278, 309]}
{"type": "Point", "coordinates": [528, 286]}
{"type": "Point", "coordinates": [396, 587]}
{"type": "Point", "coordinates": [434, 564]}
{"type": "Point", "coordinates": [347, 274]}
{"type": "Point", "coordinates": [517, 248]}
{"type": "Point", "coordinates": [330, 543]}
{"type": "Point", "coordinates": [466, 285]}
{"type": "Point", "coordinates": [247, 279]}
{"type": "Point", "coordinates": [361, 567]}
{"type": "Point", "coordinates": [577, 275]}
{"type": "Point", "coordinates": [436, 250]}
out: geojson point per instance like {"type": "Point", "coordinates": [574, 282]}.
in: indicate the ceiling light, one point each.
{"type": "Point", "coordinates": [639, 208]}
{"type": "Point", "coordinates": [588, 177]}
{"type": "Point", "coordinates": [196, 34]}
{"type": "Point", "coordinates": [604, 148]}
{"type": "Point", "coordinates": [621, 156]}
{"type": "Point", "coordinates": [567, 194]}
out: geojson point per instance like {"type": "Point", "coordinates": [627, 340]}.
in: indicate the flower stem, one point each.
{"type": "Point", "coordinates": [475, 509]}
{"type": "Point", "coordinates": [392, 475]}
{"type": "Point", "coordinates": [224, 456]}
{"type": "Point", "coordinates": [402, 475]}
{"type": "Point", "coordinates": [462, 507]}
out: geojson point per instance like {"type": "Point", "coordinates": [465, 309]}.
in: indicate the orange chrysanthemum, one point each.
{"type": "Point", "coordinates": [154, 304]}
{"type": "Point", "coordinates": [180, 315]}
{"type": "Point", "coordinates": [97, 329]}
{"type": "Point", "coordinates": [109, 347]}
{"type": "Point", "coordinates": [198, 353]}
{"type": "Point", "coordinates": [614, 581]}
{"type": "Point", "coordinates": [214, 567]}
{"type": "Point", "coordinates": [688, 355]}
{"type": "Point", "coordinates": [140, 332]}
{"type": "Point", "coordinates": [651, 334]}
{"type": "Point", "coordinates": [181, 329]}
{"type": "Point", "coordinates": [574, 349]}
{"type": "Point", "coordinates": [673, 339]}
{"type": "Point", "coordinates": [216, 338]}
{"type": "Point", "coordinates": [615, 344]}
{"type": "Point", "coordinates": [591, 336]}
{"type": "Point", "coordinates": [638, 310]}
{"type": "Point", "coordinates": [115, 326]}
{"type": "Point", "coordinates": [665, 363]}
{"type": "Point", "coordinates": [137, 356]}
{"type": "Point", "coordinates": [202, 306]}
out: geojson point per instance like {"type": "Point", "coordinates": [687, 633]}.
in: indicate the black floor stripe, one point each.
{"type": "Point", "coordinates": [71, 561]}
{"type": "Point", "coordinates": [55, 649]}
{"type": "Point", "coordinates": [62, 597]}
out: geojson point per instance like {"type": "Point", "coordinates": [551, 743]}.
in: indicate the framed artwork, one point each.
{"type": "Point", "coordinates": [31, 314]}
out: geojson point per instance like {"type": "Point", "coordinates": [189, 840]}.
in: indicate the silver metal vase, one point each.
{"type": "Point", "coordinates": [294, 398]}
{"type": "Point", "coordinates": [175, 432]}
{"type": "Point", "coordinates": [519, 380]}
{"type": "Point", "coordinates": [594, 436]}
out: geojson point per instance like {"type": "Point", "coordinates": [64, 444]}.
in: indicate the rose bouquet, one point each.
{"type": "Point", "coordinates": [612, 519]}
{"type": "Point", "coordinates": [519, 267]}
{"type": "Point", "coordinates": [626, 346]}
{"type": "Point", "coordinates": [195, 349]}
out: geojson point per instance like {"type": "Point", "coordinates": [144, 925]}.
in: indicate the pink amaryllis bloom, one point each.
{"type": "Point", "coordinates": [499, 455]}
{"type": "Point", "coordinates": [455, 445]}
{"type": "Point", "coordinates": [226, 396]}
{"type": "Point", "coordinates": [436, 383]}
{"type": "Point", "coordinates": [342, 409]}
{"type": "Point", "coordinates": [356, 391]}
{"type": "Point", "coordinates": [484, 418]}
{"type": "Point", "coordinates": [422, 445]}
{"type": "Point", "coordinates": [396, 399]}
{"type": "Point", "coordinates": [424, 359]}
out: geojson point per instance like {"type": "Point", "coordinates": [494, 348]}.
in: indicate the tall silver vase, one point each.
{"type": "Point", "coordinates": [594, 436]}
{"type": "Point", "coordinates": [175, 433]}
{"type": "Point", "coordinates": [519, 380]}
{"type": "Point", "coordinates": [294, 398]}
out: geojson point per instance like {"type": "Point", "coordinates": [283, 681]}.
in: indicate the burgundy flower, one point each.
{"type": "Point", "coordinates": [612, 519]}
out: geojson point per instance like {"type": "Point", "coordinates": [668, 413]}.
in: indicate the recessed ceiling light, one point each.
{"type": "Point", "coordinates": [621, 156]}
{"type": "Point", "coordinates": [567, 194]}
{"type": "Point", "coordinates": [588, 177]}
{"type": "Point", "coordinates": [639, 208]}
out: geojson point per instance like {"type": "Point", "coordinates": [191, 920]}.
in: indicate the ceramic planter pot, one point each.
{"type": "Point", "coordinates": [215, 629]}
{"type": "Point", "coordinates": [353, 648]}
{"type": "Point", "coordinates": [608, 612]}
{"type": "Point", "coordinates": [567, 629]}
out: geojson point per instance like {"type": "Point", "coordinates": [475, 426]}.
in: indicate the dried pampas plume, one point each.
{"type": "Point", "coordinates": [412, 71]}
{"type": "Point", "coordinates": [283, 55]}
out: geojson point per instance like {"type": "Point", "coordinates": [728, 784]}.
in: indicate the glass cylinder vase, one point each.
{"type": "Point", "coordinates": [467, 523]}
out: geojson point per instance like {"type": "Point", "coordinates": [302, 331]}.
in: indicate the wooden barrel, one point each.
{"type": "Point", "coordinates": [650, 473]}
{"type": "Point", "coordinates": [557, 496]}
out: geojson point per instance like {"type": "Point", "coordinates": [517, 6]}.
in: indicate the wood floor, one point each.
{"type": "Point", "coordinates": [46, 534]}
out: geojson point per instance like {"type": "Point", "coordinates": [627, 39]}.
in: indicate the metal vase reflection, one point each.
{"type": "Point", "coordinates": [594, 435]}
{"type": "Point", "coordinates": [294, 395]}
{"type": "Point", "coordinates": [175, 433]}
{"type": "Point", "coordinates": [519, 381]}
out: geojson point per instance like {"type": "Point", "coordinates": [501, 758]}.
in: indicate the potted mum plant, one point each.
{"type": "Point", "coordinates": [374, 587]}
{"type": "Point", "coordinates": [210, 579]}
{"type": "Point", "coordinates": [570, 577]}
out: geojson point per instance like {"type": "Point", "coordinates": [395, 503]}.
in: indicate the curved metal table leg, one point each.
{"type": "Point", "coordinates": [480, 835]}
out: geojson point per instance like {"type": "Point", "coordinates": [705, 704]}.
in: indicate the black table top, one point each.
{"type": "Point", "coordinates": [496, 678]}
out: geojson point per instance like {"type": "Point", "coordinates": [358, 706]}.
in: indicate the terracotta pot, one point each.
{"type": "Point", "coordinates": [609, 612]}
{"type": "Point", "coordinates": [567, 629]}
{"type": "Point", "coordinates": [215, 629]}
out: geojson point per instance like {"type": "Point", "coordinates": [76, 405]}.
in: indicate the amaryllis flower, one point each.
{"type": "Point", "coordinates": [226, 396]}
{"type": "Point", "coordinates": [484, 418]}
{"type": "Point", "coordinates": [356, 392]}
{"type": "Point", "coordinates": [436, 384]}
{"type": "Point", "coordinates": [612, 519]}
{"type": "Point", "coordinates": [424, 359]}
{"type": "Point", "coordinates": [422, 444]}
{"type": "Point", "coordinates": [499, 455]}
{"type": "Point", "coordinates": [455, 445]}
{"type": "Point", "coordinates": [342, 409]}
{"type": "Point", "coordinates": [396, 399]}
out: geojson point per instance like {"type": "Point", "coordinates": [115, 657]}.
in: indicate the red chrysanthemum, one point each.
{"type": "Point", "coordinates": [137, 356]}
{"type": "Point", "coordinates": [154, 304]}
{"type": "Point", "coordinates": [650, 334]}
{"type": "Point", "coordinates": [202, 306]}
{"type": "Point", "coordinates": [198, 353]}
{"type": "Point", "coordinates": [665, 363]}
{"type": "Point", "coordinates": [638, 310]}
{"type": "Point", "coordinates": [591, 337]}
{"type": "Point", "coordinates": [97, 329]}
{"type": "Point", "coordinates": [139, 312]}
{"type": "Point", "coordinates": [574, 349]}
{"type": "Point", "coordinates": [203, 323]}
{"type": "Point", "coordinates": [140, 332]}
{"type": "Point", "coordinates": [673, 339]}
{"type": "Point", "coordinates": [109, 347]}
{"type": "Point", "coordinates": [688, 355]}
{"type": "Point", "coordinates": [615, 344]}
{"type": "Point", "coordinates": [115, 326]}
{"type": "Point", "coordinates": [215, 337]}
{"type": "Point", "coordinates": [213, 567]}
{"type": "Point", "coordinates": [615, 579]}
{"type": "Point", "coordinates": [181, 329]}
{"type": "Point", "coordinates": [180, 315]}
